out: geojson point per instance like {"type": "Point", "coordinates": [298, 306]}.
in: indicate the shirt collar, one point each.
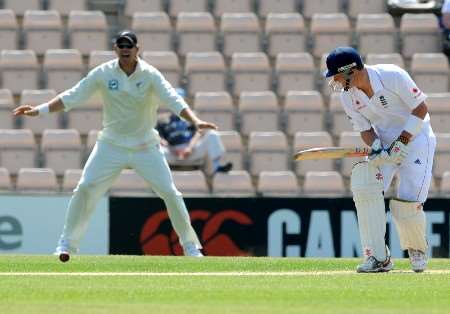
{"type": "Point", "coordinates": [138, 66]}
{"type": "Point", "coordinates": [374, 79]}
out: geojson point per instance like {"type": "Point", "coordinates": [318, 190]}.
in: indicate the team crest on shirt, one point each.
{"type": "Point", "coordinates": [113, 84]}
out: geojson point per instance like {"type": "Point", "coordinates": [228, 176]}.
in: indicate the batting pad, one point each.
{"type": "Point", "coordinates": [409, 218]}
{"type": "Point", "coordinates": [367, 188]}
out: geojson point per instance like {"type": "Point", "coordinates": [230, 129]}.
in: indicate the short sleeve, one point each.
{"type": "Point", "coordinates": [82, 91]}
{"type": "Point", "coordinates": [358, 121]}
{"type": "Point", "coordinates": [407, 89]}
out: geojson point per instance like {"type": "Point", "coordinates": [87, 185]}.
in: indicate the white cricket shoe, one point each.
{"type": "Point", "coordinates": [372, 265]}
{"type": "Point", "coordinates": [190, 249]}
{"type": "Point", "coordinates": [418, 260]}
{"type": "Point", "coordinates": [63, 251]}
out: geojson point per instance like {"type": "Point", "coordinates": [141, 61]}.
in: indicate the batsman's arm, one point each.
{"type": "Point", "coordinates": [53, 105]}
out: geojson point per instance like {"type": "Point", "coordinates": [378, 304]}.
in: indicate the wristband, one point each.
{"type": "Point", "coordinates": [43, 108]}
{"type": "Point", "coordinates": [413, 125]}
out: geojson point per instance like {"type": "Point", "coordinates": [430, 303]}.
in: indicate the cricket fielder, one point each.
{"type": "Point", "coordinates": [388, 109]}
{"type": "Point", "coordinates": [128, 139]}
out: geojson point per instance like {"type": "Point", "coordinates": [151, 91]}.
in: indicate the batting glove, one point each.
{"type": "Point", "coordinates": [398, 150]}
{"type": "Point", "coordinates": [378, 155]}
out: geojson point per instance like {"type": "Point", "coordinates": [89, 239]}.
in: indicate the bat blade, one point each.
{"type": "Point", "coordinates": [331, 153]}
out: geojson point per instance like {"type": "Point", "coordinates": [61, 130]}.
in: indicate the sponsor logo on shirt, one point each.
{"type": "Point", "coordinates": [418, 162]}
{"type": "Point", "coordinates": [383, 101]}
{"type": "Point", "coordinates": [139, 84]}
{"type": "Point", "coordinates": [416, 92]}
{"type": "Point", "coordinates": [113, 84]}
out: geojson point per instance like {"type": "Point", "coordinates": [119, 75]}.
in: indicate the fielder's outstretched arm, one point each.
{"type": "Point", "coordinates": [53, 105]}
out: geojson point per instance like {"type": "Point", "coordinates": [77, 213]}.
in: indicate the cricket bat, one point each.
{"type": "Point", "coordinates": [331, 153]}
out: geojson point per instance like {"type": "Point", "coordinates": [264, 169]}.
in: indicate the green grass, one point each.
{"type": "Point", "coordinates": [404, 292]}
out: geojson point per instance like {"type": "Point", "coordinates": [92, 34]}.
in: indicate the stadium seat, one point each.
{"type": "Point", "coordinates": [36, 180]}
{"type": "Point", "coordinates": [88, 31]}
{"type": "Point", "coordinates": [70, 179]}
{"type": "Point", "coordinates": [232, 6]}
{"type": "Point", "coordinates": [338, 117]}
{"type": "Point", "coordinates": [267, 7]}
{"type": "Point", "coordinates": [20, 6]}
{"type": "Point", "coordinates": [268, 151]}
{"type": "Point", "coordinates": [307, 140]}
{"type": "Point", "coordinates": [86, 117]}
{"type": "Point", "coordinates": [258, 111]}
{"type": "Point", "coordinates": [311, 7]}
{"type": "Point", "coordinates": [430, 72]}
{"type": "Point", "coordinates": [240, 33]}
{"type": "Point", "coordinates": [191, 183]}
{"type": "Point", "coordinates": [61, 149]}
{"type": "Point", "coordinates": [356, 7]}
{"type": "Point", "coordinates": [6, 106]}
{"type": "Point", "coordinates": [64, 7]}
{"type": "Point", "coordinates": [205, 72]}
{"type": "Point", "coordinates": [17, 149]}
{"type": "Point", "coordinates": [234, 150]}
{"type": "Point", "coordinates": [278, 184]}
{"type": "Point", "coordinates": [134, 6]}
{"type": "Point", "coordinates": [196, 32]}
{"type": "Point", "coordinates": [41, 122]}
{"type": "Point", "coordinates": [285, 33]}
{"type": "Point", "coordinates": [445, 184]}
{"type": "Point", "coordinates": [439, 109]}
{"type": "Point", "coordinates": [350, 139]}
{"type": "Point", "coordinates": [178, 6]}
{"type": "Point", "coordinates": [250, 72]}
{"type": "Point", "coordinates": [376, 33]}
{"type": "Point", "coordinates": [167, 63]}
{"type": "Point", "coordinates": [234, 183]}
{"type": "Point", "coordinates": [442, 154]}
{"type": "Point", "coordinates": [63, 68]}
{"type": "Point", "coordinates": [8, 29]}
{"type": "Point", "coordinates": [153, 30]}
{"type": "Point", "coordinates": [385, 58]}
{"type": "Point", "coordinates": [42, 30]}
{"type": "Point", "coordinates": [329, 31]}
{"type": "Point", "coordinates": [216, 107]}
{"type": "Point", "coordinates": [19, 70]}
{"type": "Point", "coordinates": [324, 184]}
{"type": "Point", "coordinates": [294, 72]}
{"type": "Point", "coordinates": [5, 180]}
{"type": "Point", "coordinates": [304, 111]}
{"type": "Point", "coordinates": [322, 81]}
{"type": "Point", "coordinates": [420, 33]}
{"type": "Point", "coordinates": [97, 57]}
{"type": "Point", "coordinates": [91, 141]}
{"type": "Point", "coordinates": [129, 183]}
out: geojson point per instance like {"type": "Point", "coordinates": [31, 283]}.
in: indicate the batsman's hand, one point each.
{"type": "Point", "coordinates": [203, 125]}
{"type": "Point", "coordinates": [26, 110]}
{"type": "Point", "coordinates": [398, 152]}
{"type": "Point", "coordinates": [378, 155]}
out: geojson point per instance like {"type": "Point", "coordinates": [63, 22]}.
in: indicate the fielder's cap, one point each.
{"type": "Point", "coordinates": [342, 59]}
{"type": "Point", "coordinates": [128, 36]}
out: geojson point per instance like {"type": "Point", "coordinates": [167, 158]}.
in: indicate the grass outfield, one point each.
{"type": "Point", "coordinates": [138, 284]}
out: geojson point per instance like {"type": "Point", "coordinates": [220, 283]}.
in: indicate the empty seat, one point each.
{"type": "Point", "coordinates": [205, 72]}
{"type": "Point", "coordinates": [129, 183]}
{"type": "Point", "coordinates": [324, 81]}
{"type": "Point", "coordinates": [88, 31]}
{"type": "Point", "coordinates": [307, 140]}
{"type": "Point", "coordinates": [355, 7]}
{"type": "Point", "coordinates": [232, 6]}
{"type": "Point", "coordinates": [311, 7]}
{"type": "Point", "coordinates": [191, 183]}
{"type": "Point", "coordinates": [5, 180]}
{"type": "Point", "coordinates": [40, 180]}
{"type": "Point", "coordinates": [86, 117]}
{"type": "Point", "coordinates": [258, 111]}
{"type": "Point", "coordinates": [445, 184]}
{"type": "Point", "coordinates": [64, 7]}
{"type": "Point", "coordinates": [329, 31]}
{"type": "Point", "coordinates": [442, 154]}
{"type": "Point", "coordinates": [71, 179]}
{"type": "Point", "coordinates": [8, 29]}
{"type": "Point", "coordinates": [278, 184]}
{"type": "Point", "coordinates": [20, 6]}
{"type": "Point", "coordinates": [233, 183]}
{"type": "Point", "coordinates": [234, 150]}
{"type": "Point", "coordinates": [420, 33]}
{"type": "Point", "coordinates": [240, 33]}
{"type": "Point", "coordinates": [167, 63]}
{"type": "Point", "coordinates": [338, 117]}
{"type": "Point", "coordinates": [351, 140]}
{"type": "Point", "coordinates": [41, 122]}
{"type": "Point", "coordinates": [304, 111]}
{"type": "Point", "coordinates": [63, 68]}
{"type": "Point", "coordinates": [19, 70]}
{"type": "Point", "coordinates": [439, 109]}
{"type": "Point", "coordinates": [42, 30]}
{"type": "Point", "coordinates": [324, 184]}
{"type": "Point", "coordinates": [295, 72]}
{"type": "Point", "coordinates": [6, 106]}
{"type": "Point", "coordinates": [285, 33]}
{"type": "Point", "coordinates": [250, 72]}
{"type": "Point", "coordinates": [385, 58]}
{"type": "Point", "coordinates": [17, 149]}
{"type": "Point", "coordinates": [153, 30]}
{"type": "Point", "coordinates": [61, 149]}
{"type": "Point", "coordinates": [267, 151]}
{"type": "Point", "coordinates": [196, 32]}
{"type": "Point", "coordinates": [267, 7]}
{"type": "Point", "coordinates": [134, 6]}
{"type": "Point", "coordinates": [178, 6]}
{"type": "Point", "coordinates": [216, 107]}
{"type": "Point", "coordinates": [376, 33]}
{"type": "Point", "coordinates": [98, 57]}
{"type": "Point", "coordinates": [430, 72]}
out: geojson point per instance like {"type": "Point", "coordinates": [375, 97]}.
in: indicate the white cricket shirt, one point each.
{"type": "Point", "coordinates": [395, 96]}
{"type": "Point", "coordinates": [130, 109]}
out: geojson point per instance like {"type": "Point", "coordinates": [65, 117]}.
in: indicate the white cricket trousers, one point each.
{"type": "Point", "coordinates": [103, 166]}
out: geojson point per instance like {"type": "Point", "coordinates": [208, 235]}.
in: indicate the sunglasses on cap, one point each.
{"type": "Point", "coordinates": [125, 46]}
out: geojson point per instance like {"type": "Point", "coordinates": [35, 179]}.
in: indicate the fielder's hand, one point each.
{"type": "Point", "coordinates": [26, 110]}
{"type": "Point", "coordinates": [398, 152]}
{"type": "Point", "coordinates": [202, 125]}
{"type": "Point", "coordinates": [378, 155]}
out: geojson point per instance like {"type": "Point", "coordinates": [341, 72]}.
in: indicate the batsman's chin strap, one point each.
{"type": "Point", "coordinates": [348, 78]}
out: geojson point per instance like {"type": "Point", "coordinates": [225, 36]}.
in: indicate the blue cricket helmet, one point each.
{"type": "Point", "coordinates": [343, 59]}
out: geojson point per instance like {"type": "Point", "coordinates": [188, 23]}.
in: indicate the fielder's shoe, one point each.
{"type": "Point", "coordinates": [418, 260]}
{"type": "Point", "coordinates": [372, 265]}
{"type": "Point", "coordinates": [190, 249]}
